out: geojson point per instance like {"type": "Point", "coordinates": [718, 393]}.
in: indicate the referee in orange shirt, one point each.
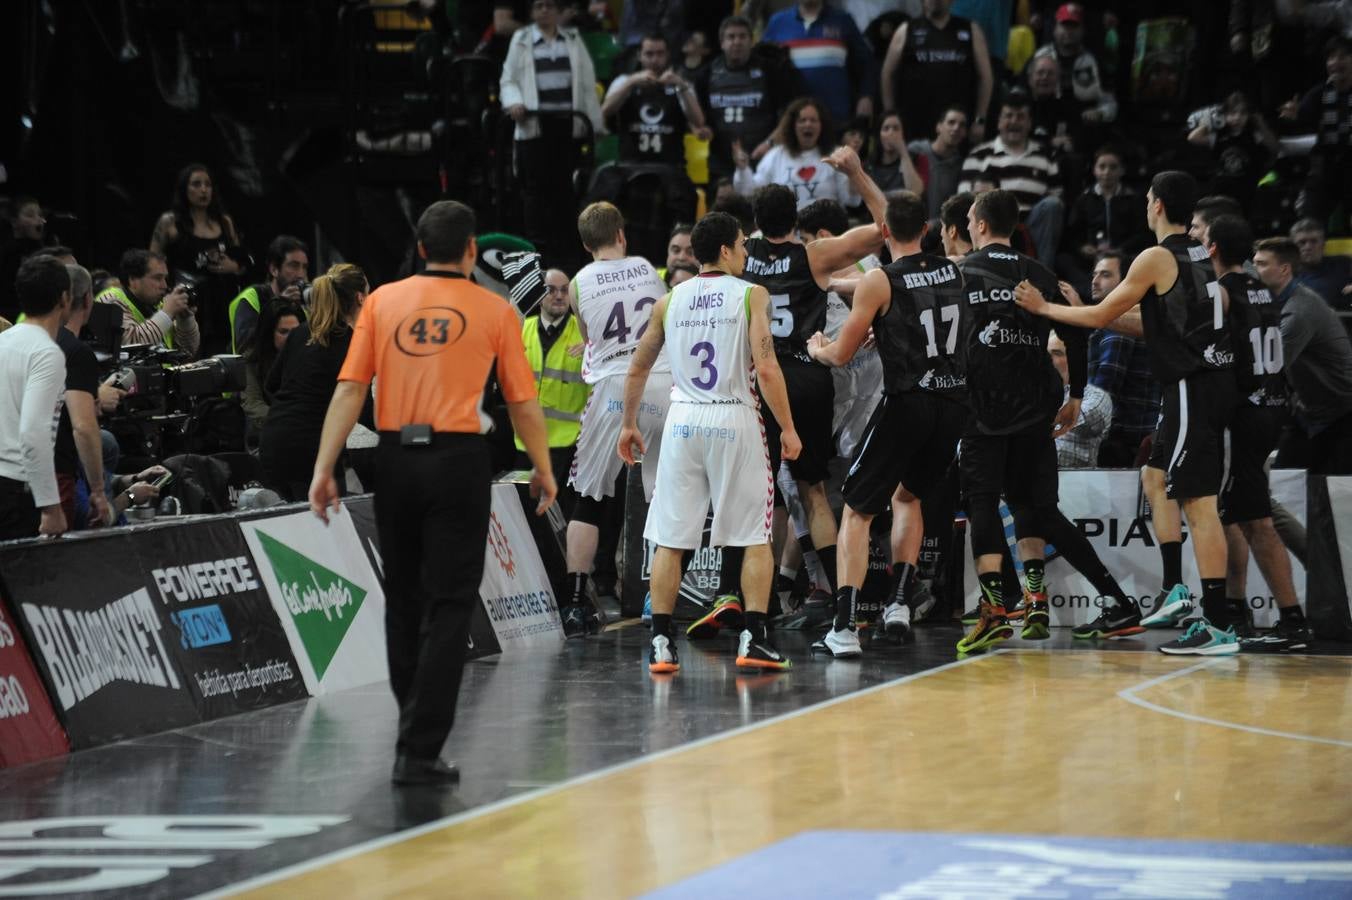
{"type": "Point", "coordinates": [432, 340]}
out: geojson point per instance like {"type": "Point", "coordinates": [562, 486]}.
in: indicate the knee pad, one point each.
{"type": "Point", "coordinates": [590, 511]}
{"type": "Point", "coordinates": [985, 524]}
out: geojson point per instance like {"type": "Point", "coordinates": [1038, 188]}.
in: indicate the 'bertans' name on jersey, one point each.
{"type": "Point", "coordinates": [994, 295]}
{"type": "Point", "coordinates": [927, 279]}
{"type": "Point", "coordinates": [622, 275]}
{"type": "Point", "coordinates": [764, 267]}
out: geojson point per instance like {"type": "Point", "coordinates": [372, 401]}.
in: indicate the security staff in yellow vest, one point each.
{"type": "Point", "coordinates": [151, 313]}
{"type": "Point", "coordinates": [554, 349]}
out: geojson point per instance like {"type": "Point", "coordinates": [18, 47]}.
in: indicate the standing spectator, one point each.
{"type": "Point", "coordinates": [830, 53]}
{"type": "Point", "coordinates": [797, 159]}
{"type": "Point", "coordinates": [79, 445]}
{"type": "Point", "coordinates": [32, 377]}
{"type": "Point", "coordinates": [745, 93]}
{"type": "Point", "coordinates": [1080, 70]}
{"type": "Point", "coordinates": [1078, 448]}
{"type": "Point", "coordinates": [1328, 276]}
{"type": "Point", "coordinates": [1326, 109]}
{"type": "Point", "coordinates": [994, 17]}
{"type": "Point", "coordinates": [199, 242]}
{"type": "Point", "coordinates": [1056, 116]}
{"type": "Point", "coordinates": [554, 346]}
{"type": "Point", "coordinates": [641, 18]}
{"type": "Point", "coordinates": [1107, 215]}
{"type": "Point", "coordinates": [27, 228]}
{"type": "Point", "coordinates": [288, 267]}
{"type": "Point", "coordinates": [936, 62]}
{"type": "Point", "coordinates": [301, 382]}
{"type": "Point", "coordinates": [1242, 147]}
{"type": "Point", "coordinates": [890, 164]}
{"type": "Point", "coordinates": [938, 159]}
{"type": "Point", "coordinates": [151, 313]}
{"type": "Point", "coordinates": [1317, 360]}
{"type": "Point", "coordinates": [1025, 168]}
{"type": "Point", "coordinates": [433, 475]}
{"type": "Point", "coordinates": [278, 319]}
{"type": "Point", "coordinates": [547, 76]}
{"type": "Point", "coordinates": [1120, 365]}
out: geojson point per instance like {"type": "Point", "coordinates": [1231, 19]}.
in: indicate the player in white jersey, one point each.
{"type": "Point", "coordinates": [716, 330]}
{"type": "Point", "coordinates": [614, 297]}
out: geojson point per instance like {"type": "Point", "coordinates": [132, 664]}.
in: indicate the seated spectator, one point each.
{"type": "Point", "coordinates": [1242, 147]}
{"type": "Point", "coordinates": [288, 267]}
{"type": "Point", "coordinates": [1108, 215]}
{"type": "Point", "coordinates": [27, 229]}
{"type": "Point", "coordinates": [938, 159]}
{"type": "Point", "coordinates": [1328, 276]}
{"type": "Point", "coordinates": [1078, 448]}
{"type": "Point", "coordinates": [797, 160]}
{"type": "Point", "coordinates": [890, 164]}
{"type": "Point", "coordinates": [1080, 70]}
{"type": "Point", "coordinates": [1024, 167]}
{"type": "Point", "coordinates": [1326, 110]}
{"type": "Point", "coordinates": [151, 313]}
{"type": "Point", "coordinates": [829, 52]}
{"type": "Point", "coordinates": [198, 240]}
{"type": "Point", "coordinates": [935, 62]}
{"type": "Point", "coordinates": [301, 382]}
{"type": "Point", "coordinates": [277, 320]}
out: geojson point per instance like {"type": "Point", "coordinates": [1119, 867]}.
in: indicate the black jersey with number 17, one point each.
{"type": "Point", "coordinates": [918, 335]}
{"type": "Point", "coordinates": [1256, 335]}
{"type": "Point", "coordinates": [797, 302]}
{"type": "Point", "coordinates": [1186, 330]}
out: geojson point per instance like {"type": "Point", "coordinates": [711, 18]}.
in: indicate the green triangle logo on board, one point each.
{"type": "Point", "coordinates": [322, 603]}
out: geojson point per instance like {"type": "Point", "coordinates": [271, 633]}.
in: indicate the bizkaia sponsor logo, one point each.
{"type": "Point", "coordinates": [321, 602]}
{"type": "Point", "coordinates": [995, 335]}
{"type": "Point", "coordinates": [86, 650]}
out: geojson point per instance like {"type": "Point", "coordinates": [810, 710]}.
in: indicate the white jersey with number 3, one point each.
{"type": "Point", "coordinates": [615, 298]}
{"type": "Point", "coordinates": [706, 337]}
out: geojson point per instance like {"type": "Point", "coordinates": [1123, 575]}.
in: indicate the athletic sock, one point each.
{"type": "Point", "coordinates": [1009, 578]}
{"type": "Point", "coordinates": [755, 623]}
{"type": "Point", "coordinates": [579, 596]}
{"type": "Point", "coordinates": [1293, 614]}
{"type": "Point", "coordinates": [1214, 605]}
{"type": "Point", "coordinates": [846, 600]}
{"type": "Point", "coordinates": [662, 624]}
{"type": "Point", "coordinates": [1076, 550]}
{"type": "Point", "coordinates": [1035, 571]}
{"type": "Point", "coordinates": [730, 570]}
{"type": "Point", "coordinates": [1238, 609]}
{"type": "Point", "coordinates": [991, 583]}
{"type": "Point", "coordinates": [903, 577]}
{"type": "Point", "coordinates": [788, 572]}
{"type": "Point", "coordinates": [1171, 554]}
{"type": "Point", "coordinates": [827, 556]}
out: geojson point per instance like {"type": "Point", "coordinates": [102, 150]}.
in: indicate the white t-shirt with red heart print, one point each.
{"type": "Point", "coordinates": [806, 174]}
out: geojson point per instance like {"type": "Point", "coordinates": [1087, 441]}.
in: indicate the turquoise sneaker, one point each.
{"type": "Point", "coordinates": [1172, 608]}
{"type": "Point", "coordinates": [648, 608]}
{"type": "Point", "coordinates": [1203, 639]}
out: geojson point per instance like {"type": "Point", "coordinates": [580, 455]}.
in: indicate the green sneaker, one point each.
{"type": "Point", "coordinates": [991, 628]}
{"type": "Point", "coordinates": [726, 612]}
{"type": "Point", "coordinates": [1203, 639]}
{"type": "Point", "coordinates": [1172, 608]}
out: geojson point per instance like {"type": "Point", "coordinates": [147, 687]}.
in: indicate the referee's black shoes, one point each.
{"type": "Point", "coordinates": [410, 770]}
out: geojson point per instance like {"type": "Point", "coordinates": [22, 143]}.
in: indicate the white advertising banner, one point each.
{"type": "Point", "coordinates": [515, 589]}
{"type": "Point", "coordinates": [327, 596]}
{"type": "Point", "coordinates": [1107, 507]}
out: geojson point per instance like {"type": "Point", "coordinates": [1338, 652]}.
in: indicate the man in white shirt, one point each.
{"type": "Point", "coordinates": [32, 381]}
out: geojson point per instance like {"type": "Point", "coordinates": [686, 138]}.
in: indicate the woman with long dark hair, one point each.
{"type": "Point", "coordinates": [276, 321]}
{"type": "Point", "coordinates": [889, 162]}
{"type": "Point", "coordinates": [301, 382]}
{"type": "Point", "coordinates": [801, 141]}
{"type": "Point", "coordinates": [200, 244]}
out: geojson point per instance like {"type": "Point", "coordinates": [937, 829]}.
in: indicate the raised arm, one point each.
{"type": "Point", "coordinates": [872, 295]}
{"type": "Point", "coordinates": [829, 255]}
{"type": "Point", "coordinates": [1143, 275]}
{"type": "Point", "coordinates": [846, 161]}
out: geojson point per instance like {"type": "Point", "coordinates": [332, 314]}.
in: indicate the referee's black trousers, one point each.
{"type": "Point", "coordinates": [432, 506]}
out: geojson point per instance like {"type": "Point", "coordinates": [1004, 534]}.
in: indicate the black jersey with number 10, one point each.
{"type": "Point", "coordinates": [918, 335]}
{"type": "Point", "coordinates": [797, 302]}
{"type": "Point", "coordinates": [1256, 335]}
{"type": "Point", "coordinates": [1185, 327]}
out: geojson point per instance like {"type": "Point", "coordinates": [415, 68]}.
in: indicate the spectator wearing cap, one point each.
{"type": "Point", "coordinates": [1080, 69]}
{"type": "Point", "coordinates": [1328, 276]}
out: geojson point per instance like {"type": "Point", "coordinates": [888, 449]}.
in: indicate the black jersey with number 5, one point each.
{"type": "Point", "coordinates": [918, 335]}
{"type": "Point", "coordinates": [1011, 382]}
{"type": "Point", "coordinates": [797, 302]}
{"type": "Point", "coordinates": [1185, 327]}
{"type": "Point", "coordinates": [1256, 335]}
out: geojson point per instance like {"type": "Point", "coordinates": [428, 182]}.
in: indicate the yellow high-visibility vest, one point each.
{"type": "Point", "coordinates": [558, 378]}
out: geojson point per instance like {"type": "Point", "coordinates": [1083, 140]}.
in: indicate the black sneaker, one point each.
{"type": "Point", "coordinates": [1286, 635]}
{"type": "Point", "coordinates": [409, 770]}
{"type": "Point", "coordinates": [579, 621]}
{"type": "Point", "coordinates": [1037, 618]}
{"type": "Point", "coordinates": [1114, 621]}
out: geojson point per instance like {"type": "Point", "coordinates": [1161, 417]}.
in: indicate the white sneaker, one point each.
{"type": "Point", "coordinates": [840, 644]}
{"type": "Point", "coordinates": [662, 655]}
{"type": "Point", "coordinates": [897, 620]}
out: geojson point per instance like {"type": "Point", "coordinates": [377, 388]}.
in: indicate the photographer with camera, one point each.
{"type": "Point", "coordinates": [151, 313]}
{"type": "Point", "coordinates": [288, 268]}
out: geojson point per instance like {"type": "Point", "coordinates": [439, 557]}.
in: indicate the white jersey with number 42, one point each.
{"type": "Point", "coordinates": [707, 339]}
{"type": "Point", "coordinates": [615, 298]}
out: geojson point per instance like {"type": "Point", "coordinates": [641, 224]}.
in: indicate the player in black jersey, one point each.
{"type": "Point", "coordinates": [1016, 398]}
{"type": "Point", "coordinates": [1260, 414]}
{"type": "Point", "coordinates": [797, 279]}
{"type": "Point", "coordinates": [912, 306]}
{"type": "Point", "coordinates": [1183, 319]}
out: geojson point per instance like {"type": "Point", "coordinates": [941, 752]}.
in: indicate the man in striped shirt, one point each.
{"type": "Point", "coordinates": [1025, 168]}
{"type": "Point", "coordinates": [151, 313]}
{"type": "Point", "coordinates": [834, 59]}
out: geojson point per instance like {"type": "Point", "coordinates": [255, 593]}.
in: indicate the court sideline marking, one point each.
{"type": "Point", "coordinates": [409, 834]}
{"type": "Point", "coordinates": [1129, 695]}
